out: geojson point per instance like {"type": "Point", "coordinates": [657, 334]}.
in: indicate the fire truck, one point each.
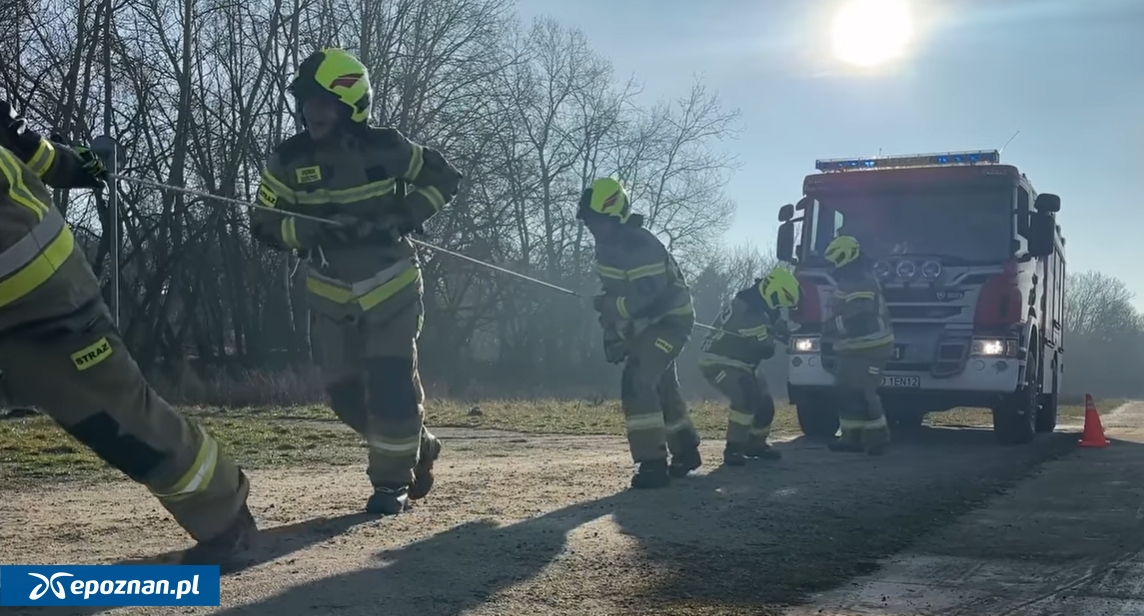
{"type": "Point", "coordinates": [972, 265]}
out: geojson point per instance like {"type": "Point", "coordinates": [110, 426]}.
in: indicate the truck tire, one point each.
{"type": "Point", "coordinates": [817, 418]}
{"type": "Point", "coordinates": [1015, 417]}
{"type": "Point", "coordinates": [1047, 409]}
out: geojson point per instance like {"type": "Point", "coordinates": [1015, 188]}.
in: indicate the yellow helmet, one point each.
{"type": "Point", "coordinates": [606, 197]}
{"type": "Point", "coordinates": [779, 289]}
{"type": "Point", "coordinates": [336, 72]}
{"type": "Point", "coordinates": [842, 250]}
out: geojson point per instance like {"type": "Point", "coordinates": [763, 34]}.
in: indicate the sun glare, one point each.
{"type": "Point", "coordinates": [867, 33]}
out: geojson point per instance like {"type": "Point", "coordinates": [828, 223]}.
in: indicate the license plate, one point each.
{"type": "Point", "coordinates": [902, 381]}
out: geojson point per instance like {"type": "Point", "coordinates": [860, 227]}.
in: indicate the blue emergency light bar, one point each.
{"type": "Point", "coordinates": [948, 159]}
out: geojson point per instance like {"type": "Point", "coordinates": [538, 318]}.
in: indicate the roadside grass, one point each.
{"type": "Point", "coordinates": [34, 449]}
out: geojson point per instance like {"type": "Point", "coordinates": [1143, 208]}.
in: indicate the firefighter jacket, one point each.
{"type": "Point", "coordinates": [44, 274]}
{"type": "Point", "coordinates": [860, 320]}
{"type": "Point", "coordinates": [747, 334]}
{"type": "Point", "coordinates": [641, 280]}
{"type": "Point", "coordinates": [362, 175]}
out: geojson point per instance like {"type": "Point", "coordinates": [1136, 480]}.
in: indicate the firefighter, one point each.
{"type": "Point", "coordinates": [646, 314]}
{"type": "Point", "coordinates": [863, 341]}
{"type": "Point", "coordinates": [60, 351]}
{"type": "Point", "coordinates": [747, 330]}
{"type": "Point", "coordinates": [363, 279]}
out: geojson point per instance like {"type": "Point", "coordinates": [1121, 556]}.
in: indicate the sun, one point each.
{"type": "Point", "coordinates": [867, 33]}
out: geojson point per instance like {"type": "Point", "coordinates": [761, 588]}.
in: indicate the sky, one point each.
{"type": "Point", "coordinates": [1069, 75]}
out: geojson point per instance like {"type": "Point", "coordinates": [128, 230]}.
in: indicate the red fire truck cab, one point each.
{"type": "Point", "coordinates": [972, 265]}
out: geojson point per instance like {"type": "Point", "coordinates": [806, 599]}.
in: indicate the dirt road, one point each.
{"type": "Point", "coordinates": [1068, 541]}
{"type": "Point", "coordinates": [542, 525]}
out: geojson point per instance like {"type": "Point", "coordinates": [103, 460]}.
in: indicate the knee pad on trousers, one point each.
{"type": "Point", "coordinates": [392, 392]}
{"type": "Point", "coordinates": [347, 398]}
{"type": "Point", "coordinates": [765, 407]}
{"type": "Point", "coordinates": [627, 384]}
{"type": "Point", "coordinates": [637, 384]}
{"type": "Point", "coordinates": [101, 432]}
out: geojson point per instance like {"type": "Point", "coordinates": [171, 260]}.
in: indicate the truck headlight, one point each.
{"type": "Point", "coordinates": [804, 345]}
{"type": "Point", "coordinates": [994, 347]}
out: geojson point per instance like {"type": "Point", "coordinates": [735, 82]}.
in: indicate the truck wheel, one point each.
{"type": "Point", "coordinates": [817, 418]}
{"type": "Point", "coordinates": [1015, 417]}
{"type": "Point", "coordinates": [1047, 409]}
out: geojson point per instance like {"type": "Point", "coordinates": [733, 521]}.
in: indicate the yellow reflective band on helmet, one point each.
{"type": "Point", "coordinates": [27, 266]}
{"type": "Point", "coordinates": [346, 77]}
{"type": "Point", "coordinates": [289, 231]}
{"type": "Point", "coordinates": [780, 289]}
{"type": "Point", "coordinates": [198, 476]}
{"type": "Point", "coordinates": [610, 198]}
{"type": "Point", "coordinates": [18, 191]}
{"type": "Point", "coordinates": [416, 161]}
{"type": "Point", "coordinates": [842, 250]}
{"type": "Point", "coordinates": [42, 160]}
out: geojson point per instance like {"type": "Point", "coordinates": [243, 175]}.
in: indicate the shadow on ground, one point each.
{"type": "Point", "coordinates": [731, 541]}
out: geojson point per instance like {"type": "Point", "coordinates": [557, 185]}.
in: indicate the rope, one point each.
{"type": "Point", "coordinates": [210, 197]}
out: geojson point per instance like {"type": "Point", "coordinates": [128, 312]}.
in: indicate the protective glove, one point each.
{"type": "Point", "coordinates": [615, 349]}
{"type": "Point", "coordinates": [93, 166]}
{"type": "Point", "coordinates": [16, 132]}
{"type": "Point", "coordinates": [781, 330]}
{"type": "Point", "coordinates": [598, 302]}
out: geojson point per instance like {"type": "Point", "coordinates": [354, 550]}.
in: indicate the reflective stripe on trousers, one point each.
{"type": "Point", "coordinates": [30, 262]}
{"type": "Point", "coordinates": [366, 293]}
{"type": "Point", "coordinates": [198, 476]}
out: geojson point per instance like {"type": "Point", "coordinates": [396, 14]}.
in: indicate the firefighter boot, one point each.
{"type": "Point", "coordinates": [651, 474]}
{"type": "Point", "coordinates": [223, 548]}
{"type": "Point", "coordinates": [423, 472]}
{"type": "Point", "coordinates": [849, 442]}
{"type": "Point", "coordinates": [388, 500]}
{"type": "Point", "coordinates": [845, 446]}
{"type": "Point", "coordinates": [733, 455]}
{"type": "Point", "coordinates": [684, 462]}
{"type": "Point", "coordinates": [762, 450]}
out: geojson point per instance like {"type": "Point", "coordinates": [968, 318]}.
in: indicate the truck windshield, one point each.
{"type": "Point", "coordinates": [966, 225]}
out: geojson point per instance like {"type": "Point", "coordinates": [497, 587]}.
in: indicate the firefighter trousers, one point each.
{"type": "Point", "coordinates": [657, 417]}
{"type": "Point", "coordinates": [371, 376]}
{"type": "Point", "coordinates": [752, 407]}
{"type": "Point", "coordinates": [857, 377]}
{"type": "Point", "coordinates": [78, 371]}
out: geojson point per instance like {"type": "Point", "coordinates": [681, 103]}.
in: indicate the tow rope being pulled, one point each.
{"type": "Point", "coordinates": [453, 253]}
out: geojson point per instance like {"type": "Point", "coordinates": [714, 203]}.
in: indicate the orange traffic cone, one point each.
{"type": "Point", "coordinates": [1093, 430]}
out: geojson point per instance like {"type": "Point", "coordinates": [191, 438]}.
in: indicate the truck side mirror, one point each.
{"type": "Point", "coordinates": [1042, 230]}
{"type": "Point", "coordinates": [786, 212]}
{"type": "Point", "coordinates": [784, 246]}
{"type": "Point", "coordinates": [1047, 203]}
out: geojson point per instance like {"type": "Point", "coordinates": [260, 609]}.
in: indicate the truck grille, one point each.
{"type": "Point", "coordinates": [923, 312]}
